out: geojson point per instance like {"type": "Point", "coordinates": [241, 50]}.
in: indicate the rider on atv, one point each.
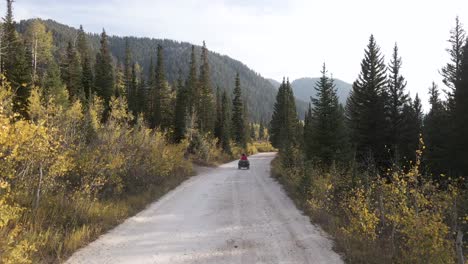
{"type": "Point", "coordinates": [243, 162]}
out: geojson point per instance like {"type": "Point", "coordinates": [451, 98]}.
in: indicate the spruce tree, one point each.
{"type": "Point", "coordinates": [436, 133]}
{"type": "Point", "coordinates": [365, 109]}
{"type": "Point", "coordinates": [284, 125]}
{"type": "Point", "coordinates": [142, 95]}
{"type": "Point", "coordinates": [86, 63]}
{"type": "Point", "coordinates": [104, 79]}
{"type": "Point", "coordinates": [226, 124]}
{"type": "Point", "coordinates": [15, 63]}
{"type": "Point", "coordinates": [238, 122]}
{"type": "Point", "coordinates": [411, 128]}
{"type": "Point", "coordinates": [73, 73]}
{"type": "Point", "coordinates": [206, 103]}
{"type": "Point", "coordinates": [53, 85]}
{"type": "Point", "coordinates": [397, 100]}
{"type": "Point", "coordinates": [162, 115]}
{"type": "Point", "coordinates": [128, 67]}
{"type": "Point", "coordinates": [451, 72]}
{"type": "Point", "coordinates": [181, 113]}
{"type": "Point", "coordinates": [132, 91]}
{"type": "Point", "coordinates": [193, 92]}
{"type": "Point", "coordinates": [150, 94]}
{"type": "Point", "coordinates": [461, 118]}
{"type": "Point", "coordinates": [325, 130]}
{"type": "Point", "coordinates": [219, 117]}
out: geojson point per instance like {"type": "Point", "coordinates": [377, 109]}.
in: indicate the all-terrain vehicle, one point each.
{"type": "Point", "coordinates": [243, 162]}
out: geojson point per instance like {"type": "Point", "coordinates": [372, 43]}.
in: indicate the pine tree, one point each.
{"type": "Point", "coordinates": [86, 64]}
{"type": "Point", "coordinates": [238, 122]}
{"type": "Point", "coordinates": [15, 63]}
{"type": "Point", "coordinates": [284, 125]}
{"type": "Point", "coordinates": [142, 95]}
{"type": "Point", "coordinates": [149, 93]}
{"type": "Point", "coordinates": [53, 85]}
{"type": "Point", "coordinates": [219, 117]}
{"type": "Point", "coordinates": [162, 115]}
{"type": "Point", "coordinates": [365, 108]}
{"type": "Point", "coordinates": [225, 132]}
{"type": "Point", "coordinates": [132, 91]}
{"type": "Point", "coordinates": [206, 104]}
{"type": "Point", "coordinates": [73, 73]}
{"type": "Point", "coordinates": [104, 80]}
{"type": "Point", "coordinates": [451, 72]}
{"type": "Point", "coordinates": [397, 100]}
{"type": "Point", "coordinates": [324, 129]}
{"type": "Point", "coordinates": [128, 67]}
{"type": "Point", "coordinates": [436, 132]}
{"type": "Point", "coordinates": [181, 111]}
{"type": "Point", "coordinates": [411, 128]}
{"type": "Point", "coordinates": [193, 91]}
{"type": "Point", "coordinates": [461, 118]}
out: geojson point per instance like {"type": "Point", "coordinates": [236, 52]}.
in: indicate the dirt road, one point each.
{"type": "Point", "coordinates": [221, 216]}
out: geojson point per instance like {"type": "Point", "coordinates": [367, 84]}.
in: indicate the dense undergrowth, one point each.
{"type": "Point", "coordinates": [67, 178]}
{"type": "Point", "coordinates": [398, 217]}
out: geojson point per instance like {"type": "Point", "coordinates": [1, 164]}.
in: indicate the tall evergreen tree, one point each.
{"type": "Point", "coordinates": [451, 72]}
{"type": "Point", "coordinates": [325, 129]}
{"type": "Point", "coordinates": [161, 95]}
{"type": "Point", "coordinates": [128, 67]}
{"type": "Point", "coordinates": [181, 111]}
{"type": "Point", "coordinates": [238, 119]}
{"type": "Point", "coordinates": [284, 124]}
{"type": "Point", "coordinates": [15, 62]}
{"type": "Point", "coordinates": [436, 133]}
{"type": "Point", "coordinates": [219, 120]}
{"type": "Point", "coordinates": [411, 128]}
{"type": "Point", "coordinates": [193, 91]}
{"type": "Point", "coordinates": [206, 103]}
{"type": "Point", "coordinates": [225, 132]}
{"type": "Point", "coordinates": [142, 95]}
{"type": "Point", "coordinates": [72, 73]}
{"type": "Point", "coordinates": [53, 85]}
{"type": "Point", "coordinates": [397, 100]}
{"type": "Point", "coordinates": [104, 79]}
{"type": "Point", "coordinates": [132, 91]}
{"type": "Point", "coordinates": [461, 118]}
{"type": "Point", "coordinates": [365, 108]}
{"type": "Point", "coordinates": [149, 113]}
{"type": "Point", "coordinates": [86, 63]}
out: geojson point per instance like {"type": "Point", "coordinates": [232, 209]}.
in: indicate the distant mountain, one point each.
{"type": "Point", "coordinates": [275, 83]}
{"type": "Point", "coordinates": [259, 93]}
{"type": "Point", "coordinates": [304, 88]}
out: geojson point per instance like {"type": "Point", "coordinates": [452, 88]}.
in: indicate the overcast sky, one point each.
{"type": "Point", "coordinates": [279, 38]}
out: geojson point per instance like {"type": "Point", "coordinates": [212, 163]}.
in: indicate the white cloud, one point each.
{"type": "Point", "coordinates": [280, 38]}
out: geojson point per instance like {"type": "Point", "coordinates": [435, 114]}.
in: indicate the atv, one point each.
{"type": "Point", "coordinates": [243, 164]}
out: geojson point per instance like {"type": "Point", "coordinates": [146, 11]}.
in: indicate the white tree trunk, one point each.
{"type": "Point", "coordinates": [39, 186]}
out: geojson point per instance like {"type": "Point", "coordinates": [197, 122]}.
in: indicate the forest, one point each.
{"type": "Point", "coordinates": [96, 127]}
{"type": "Point", "coordinates": [259, 94]}
{"type": "Point", "coordinates": [88, 140]}
{"type": "Point", "coordinates": [382, 177]}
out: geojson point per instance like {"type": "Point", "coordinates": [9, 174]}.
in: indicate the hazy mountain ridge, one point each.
{"type": "Point", "coordinates": [304, 89]}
